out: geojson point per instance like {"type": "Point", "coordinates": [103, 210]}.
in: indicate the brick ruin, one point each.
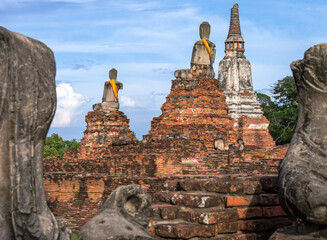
{"type": "Point", "coordinates": [208, 161]}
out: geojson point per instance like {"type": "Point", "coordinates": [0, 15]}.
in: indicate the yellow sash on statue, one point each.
{"type": "Point", "coordinates": [114, 88]}
{"type": "Point", "coordinates": [207, 46]}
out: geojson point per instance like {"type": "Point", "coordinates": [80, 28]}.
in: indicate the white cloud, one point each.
{"type": "Point", "coordinates": [68, 106]}
{"type": "Point", "coordinates": [126, 102]}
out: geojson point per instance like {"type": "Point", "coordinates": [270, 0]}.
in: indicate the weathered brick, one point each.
{"type": "Point", "coordinates": [261, 225]}
{"type": "Point", "coordinates": [233, 186]}
{"type": "Point", "coordinates": [268, 199]}
{"type": "Point", "coordinates": [163, 196]}
{"type": "Point", "coordinates": [269, 183]}
{"type": "Point", "coordinates": [249, 212]}
{"type": "Point", "coordinates": [155, 211]}
{"type": "Point", "coordinates": [171, 186]}
{"type": "Point", "coordinates": [236, 186]}
{"type": "Point", "coordinates": [168, 212]}
{"type": "Point", "coordinates": [227, 227]}
{"type": "Point", "coordinates": [191, 185]}
{"type": "Point", "coordinates": [252, 187]}
{"type": "Point", "coordinates": [150, 228]}
{"type": "Point", "coordinates": [209, 216]}
{"type": "Point", "coordinates": [273, 211]}
{"type": "Point", "coordinates": [217, 185]}
{"type": "Point", "coordinates": [246, 236]}
{"type": "Point", "coordinates": [185, 230]}
{"type": "Point", "coordinates": [198, 200]}
{"type": "Point", "coordinates": [233, 236]}
{"type": "Point", "coordinates": [236, 201]}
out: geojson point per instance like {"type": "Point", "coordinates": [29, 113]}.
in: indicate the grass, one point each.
{"type": "Point", "coordinates": [74, 236]}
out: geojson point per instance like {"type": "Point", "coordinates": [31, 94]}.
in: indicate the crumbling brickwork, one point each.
{"type": "Point", "coordinates": [194, 110]}
{"type": "Point", "coordinates": [182, 143]}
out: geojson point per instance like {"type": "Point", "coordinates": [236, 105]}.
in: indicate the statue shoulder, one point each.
{"type": "Point", "coordinates": [200, 42]}
{"type": "Point", "coordinates": [211, 44]}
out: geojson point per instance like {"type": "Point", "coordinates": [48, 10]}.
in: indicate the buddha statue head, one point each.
{"type": "Point", "coordinates": [204, 30]}
{"type": "Point", "coordinates": [113, 74]}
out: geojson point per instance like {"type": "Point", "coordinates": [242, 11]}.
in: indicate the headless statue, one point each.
{"type": "Point", "coordinates": [203, 56]}
{"type": "Point", "coordinates": [27, 106]}
{"type": "Point", "coordinates": [110, 93]}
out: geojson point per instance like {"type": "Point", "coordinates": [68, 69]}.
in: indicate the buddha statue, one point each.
{"type": "Point", "coordinates": [110, 93]}
{"type": "Point", "coordinates": [203, 56]}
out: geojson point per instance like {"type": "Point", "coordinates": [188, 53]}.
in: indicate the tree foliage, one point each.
{"type": "Point", "coordinates": [282, 110]}
{"type": "Point", "coordinates": [55, 146]}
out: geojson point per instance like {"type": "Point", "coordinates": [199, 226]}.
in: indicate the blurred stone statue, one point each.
{"type": "Point", "coordinates": [27, 106]}
{"type": "Point", "coordinates": [203, 56]}
{"type": "Point", "coordinates": [124, 215]}
{"type": "Point", "coordinates": [303, 173]}
{"type": "Point", "coordinates": [110, 100]}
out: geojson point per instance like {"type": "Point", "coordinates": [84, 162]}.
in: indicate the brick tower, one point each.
{"type": "Point", "coordinates": [106, 125]}
{"type": "Point", "coordinates": [196, 108]}
{"type": "Point", "coordinates": [235, 79]}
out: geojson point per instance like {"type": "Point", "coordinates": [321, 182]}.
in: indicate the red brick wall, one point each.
{"type": "Point", "coordinates": [76, 197]}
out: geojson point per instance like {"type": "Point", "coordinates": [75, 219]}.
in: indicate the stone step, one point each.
{"type": "Point", "coordinates": [183, 230]}
{"type": "Point", "coordinates": [214, 215]}
{"type": "Point", "coordinates": [189, 199]}
{"type": "Point", "coordinates": [252, 200]}
{"type": "Point", "coordinates": [208, 216]}
{"type": "Point", "coordinates": [242, 185]}
{"type": "Point", "coordinates": [164, 211]}
{"type": "Point", "coordinates": [255, 228]}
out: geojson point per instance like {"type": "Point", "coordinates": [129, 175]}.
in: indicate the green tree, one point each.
{"type": "Point", "coordinates": [55, 146]}
{"type": "Point", "coordinates": [282, 111]}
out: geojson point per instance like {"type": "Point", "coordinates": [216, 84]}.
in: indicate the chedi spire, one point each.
{"type": "Point", "coordinates": [234, 41]}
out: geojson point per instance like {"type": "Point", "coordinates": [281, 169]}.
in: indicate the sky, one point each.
{"type": "Point", "coordinates": [146, 41]}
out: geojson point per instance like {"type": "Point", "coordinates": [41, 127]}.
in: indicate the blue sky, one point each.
{"type": "Point", "coordinates": [146, 41]}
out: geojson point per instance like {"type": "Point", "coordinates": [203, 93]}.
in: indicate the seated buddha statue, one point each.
{"type": "Point", "coordinates": [203, 56]}
{"type": "Point", "coordinates": [110, 93]}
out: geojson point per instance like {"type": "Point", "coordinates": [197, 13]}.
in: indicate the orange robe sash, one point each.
{"type": "Point", "coordinates": [114, 88]}
{"type": "Point", "coordinates": [207, 46]}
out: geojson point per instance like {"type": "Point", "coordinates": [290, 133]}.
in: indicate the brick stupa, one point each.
{"type": "Point", "coordinates": [106, 125]}
{"type": "Point", "coordinates": [195, 109]}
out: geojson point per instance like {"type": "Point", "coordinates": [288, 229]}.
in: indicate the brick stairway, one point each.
{"type": "Point", "coordinates": [222, 207]}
